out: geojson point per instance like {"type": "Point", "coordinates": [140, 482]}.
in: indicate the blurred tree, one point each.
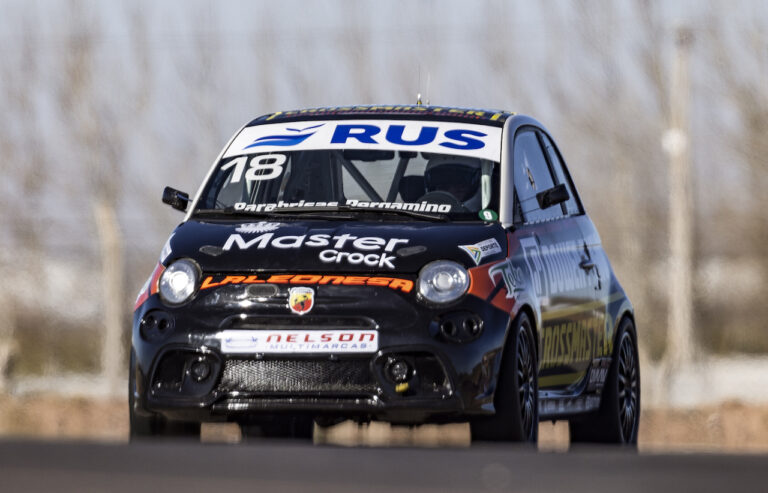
{"type": "Point", "coordinates": [100, 125]}
{"type": "Point", "coordinates": [24, 168]}
{"type": "Point", "coordinates": [602, 94]}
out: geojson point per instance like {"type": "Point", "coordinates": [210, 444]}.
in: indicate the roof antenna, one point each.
{"type": "Point", "coordinates": [418, 94]}
{"type": "Point", "coordinates": [426, 93]}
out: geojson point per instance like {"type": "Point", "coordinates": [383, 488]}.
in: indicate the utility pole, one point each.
{"type": "Point", "coordinates": [110, 245]}
{"type": "Point", "coordinates": [680, 341]}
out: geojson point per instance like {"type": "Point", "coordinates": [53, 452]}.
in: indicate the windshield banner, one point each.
{"type": "Point", "coordinates": [465, 139]}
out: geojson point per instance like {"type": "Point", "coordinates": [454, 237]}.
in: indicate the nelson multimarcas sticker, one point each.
{"type": "Point", "coordinates": [301, 300]}
{"type": "Point", "coordinates": [478, 251]}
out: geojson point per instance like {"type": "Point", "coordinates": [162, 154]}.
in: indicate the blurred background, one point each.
{"type": "Point", "coordinates": [660, 109]}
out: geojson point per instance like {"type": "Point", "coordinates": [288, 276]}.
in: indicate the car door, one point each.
{"type": "Point", "coordinates": [552, 245]}
{"type": "Point", "coordinates": [594, 261]}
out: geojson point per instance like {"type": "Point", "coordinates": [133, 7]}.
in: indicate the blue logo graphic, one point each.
{"type": "Point", "coordinates": [285, 140]}
{"type": "Point", "coordinates": [364, 134]}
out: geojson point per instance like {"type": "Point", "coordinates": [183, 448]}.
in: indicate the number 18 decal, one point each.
{"type": "Point", "coordinates": [264, 167]}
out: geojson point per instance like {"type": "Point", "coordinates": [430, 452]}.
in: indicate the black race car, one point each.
{"type": "Point", "coordinates": [410, 264]}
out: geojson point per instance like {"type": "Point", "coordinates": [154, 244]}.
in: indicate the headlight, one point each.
{"type": "Point", "coordinates": [179, 281]}
{"type": "Point", "coordinates": [443, 281]}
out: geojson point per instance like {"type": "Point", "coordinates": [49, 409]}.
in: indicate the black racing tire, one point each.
{"type": "Point", "coordinates": [280, 427]}
{"type": "Point", "coordinates": [154, 427]}
{"type": "Point", "coordinates": [516, 395]}
{"type": "Point", "coordinates": [618, 418]}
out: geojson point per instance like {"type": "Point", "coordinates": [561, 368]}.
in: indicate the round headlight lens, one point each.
{"type": "Point", "coordinates": [443, 281]}
{"type": "Point", "coordinates": [178, 282]}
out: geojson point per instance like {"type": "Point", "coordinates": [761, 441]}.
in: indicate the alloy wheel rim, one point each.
{"type": "Point", "coordinates": [526, 381]}
{"type": "Point", "coordinates": [628, 387]}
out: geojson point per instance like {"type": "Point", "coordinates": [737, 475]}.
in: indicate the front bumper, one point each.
{"type": "Point", "coordinates": [451, 377]}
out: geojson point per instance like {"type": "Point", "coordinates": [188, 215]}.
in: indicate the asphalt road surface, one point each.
{"type": "Point", "coordinates": [286, 467]}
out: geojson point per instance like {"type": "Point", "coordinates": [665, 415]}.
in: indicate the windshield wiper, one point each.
{"type": "Point", "coordinates": [430, 216]}
{"type": "Point", "coordinates": [375, 211]}
{"type": "Point", "coordinates": [315, 213]}
{"type": "Point", "coordinates": [324, 213]}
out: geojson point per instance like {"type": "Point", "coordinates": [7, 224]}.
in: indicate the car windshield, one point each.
{"type": "Point", "coordinates": [387, 182]}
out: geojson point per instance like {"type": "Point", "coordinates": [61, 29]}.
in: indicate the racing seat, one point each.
{"type": "Point", "coordinates": [411, 188]}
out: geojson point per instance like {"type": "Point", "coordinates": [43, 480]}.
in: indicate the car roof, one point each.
{"type": "Point", "coordinates": [403, 112]}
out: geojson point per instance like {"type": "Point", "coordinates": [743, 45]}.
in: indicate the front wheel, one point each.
{"type": "Point", "coordinates": [618, 417]}
{"type": "Point", "coordinates": [516, 396]}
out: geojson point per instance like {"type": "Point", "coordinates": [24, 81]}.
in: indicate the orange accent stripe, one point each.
{"type": "Point", "coordinates": [153, 286]}
{"type": "Point", "coordinates": [154, 283]}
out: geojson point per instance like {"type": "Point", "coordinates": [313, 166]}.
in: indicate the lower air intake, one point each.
{"type": "Point", "coordinates": [298, 376]}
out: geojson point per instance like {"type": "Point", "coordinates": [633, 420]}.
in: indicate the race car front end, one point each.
{"type": "Point", "coordinates": [415, 345]}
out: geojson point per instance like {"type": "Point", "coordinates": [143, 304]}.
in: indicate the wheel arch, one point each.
{"type": "Point", "coordinates": [528, 310]}
{"type": "Point", "coordinates": [624, 313]}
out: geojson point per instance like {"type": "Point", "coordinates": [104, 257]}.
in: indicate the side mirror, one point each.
{"type": "Point", "coordinates": [553, 196]}
{"type": "Point", "coordinates": [175, 198]}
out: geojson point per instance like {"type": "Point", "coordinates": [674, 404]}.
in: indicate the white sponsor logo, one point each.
{"type": "Point", "coordinates": [464, 139]}
{"type": "Point", "coordinates": [510, 274]}
{"type": "Point", "coordinates": [555, 267]}
{"type": "Point", "coordinates": [298, 341]}
{"type": "Point", "coordinates": [422, 206]}
{"type": "Point", "coordinates": [371, 246]}
{"type": "Point", "coordinates": [357, 258]}
{"type": "Point", "coordinates": [479, 251]}
{"type": "Point", "coordinates": [270, 206]}
{"type": "Point", "coordinates": [405, 206]}
{"type": "Point", "coordinates": [259, 227]}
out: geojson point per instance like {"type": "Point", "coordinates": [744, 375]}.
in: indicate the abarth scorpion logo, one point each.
{"type": "Point", "coordinates": [301, 300]}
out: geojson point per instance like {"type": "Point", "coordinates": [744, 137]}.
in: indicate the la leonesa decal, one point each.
{"type": "Point", "coordinates": [394, 283]}
{"type": "Point", "coordinates": [479, 251]}
{"type": "Point", "coordinates": [369, 250]}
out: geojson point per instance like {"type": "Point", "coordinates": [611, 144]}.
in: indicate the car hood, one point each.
{"type": "Point", "coordinates": [332, 246]}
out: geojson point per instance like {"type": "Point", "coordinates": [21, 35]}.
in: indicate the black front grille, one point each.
{"type": "Point", "coordinates": [298, 376]}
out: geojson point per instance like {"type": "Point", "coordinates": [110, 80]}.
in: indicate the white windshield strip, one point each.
{"type": "Point", "coordinates": [463, 139]}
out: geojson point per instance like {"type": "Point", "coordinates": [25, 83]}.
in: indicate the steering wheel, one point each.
{"type": "Point", "coordinates": [443, 197]}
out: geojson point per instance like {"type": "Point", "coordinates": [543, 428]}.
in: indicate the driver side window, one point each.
{"type": "Point", "coordinates": [531, 176]}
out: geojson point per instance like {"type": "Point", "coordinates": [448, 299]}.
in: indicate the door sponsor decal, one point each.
{"type": "Point", "coordinates": [570, 342]}
{"type": "Point", "coordinates": [554, 268]}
